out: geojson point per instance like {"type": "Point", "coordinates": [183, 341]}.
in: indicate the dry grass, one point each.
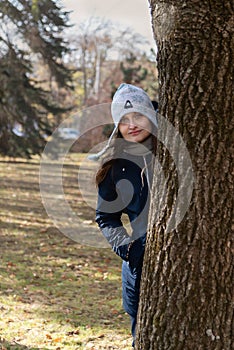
{"type": "Point", "coordinates": [54, 293]}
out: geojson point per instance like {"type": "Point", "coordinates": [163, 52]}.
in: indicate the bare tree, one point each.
{"type": "Point", "coordinates": [187, 283]}
{"type": "Point", "coordinates": [96, 41]}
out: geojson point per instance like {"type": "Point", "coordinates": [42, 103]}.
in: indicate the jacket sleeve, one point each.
{"type": "Point", "coordinates": [108, 216]}
{"type": "Point", "coordinates": [136, 252]}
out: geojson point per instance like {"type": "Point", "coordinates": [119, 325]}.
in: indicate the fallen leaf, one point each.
{"type": "Point", "coordinates": [73, 332]}
{"type": "Point", "coordinates": [57, 340]}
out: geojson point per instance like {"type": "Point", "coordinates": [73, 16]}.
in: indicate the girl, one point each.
{"type": "Point", "coordinates": [124, 182]}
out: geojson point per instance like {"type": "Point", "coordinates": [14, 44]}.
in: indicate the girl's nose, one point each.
{"type": "Point", "coordinates": [132, 124]}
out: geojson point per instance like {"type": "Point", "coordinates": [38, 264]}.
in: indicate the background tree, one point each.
{"type": "Point", "coordinates": [138, 71]}
{"type": "Point", "coordinates": [30, 32]}
{"type": "Point", "coordinates": [100, 49]}
{"type": "Point", "coordinates": [187, 283]}
{"type": "Point", "coordinates": [133, 75]}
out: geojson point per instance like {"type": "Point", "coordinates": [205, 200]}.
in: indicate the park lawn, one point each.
{"type": "Point", "coordinates": [54, 293]}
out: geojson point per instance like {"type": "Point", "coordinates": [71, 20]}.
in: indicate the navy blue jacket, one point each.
{"type": "Point", "coordinates": [125, 190]}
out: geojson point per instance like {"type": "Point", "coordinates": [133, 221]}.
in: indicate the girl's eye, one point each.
{"type": "Point", "coordinates": [127, 120]}
{"type": "Point", "coordinates": [137, 116]}
{"type": "Point", "coordinates": [124, 120]}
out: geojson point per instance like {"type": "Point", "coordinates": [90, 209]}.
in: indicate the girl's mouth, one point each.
{"type": "Point", "coordinates": [135, 133]}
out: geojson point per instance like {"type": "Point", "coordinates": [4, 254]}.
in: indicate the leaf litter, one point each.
{"type": "Point", "coordinates": [54, 293]}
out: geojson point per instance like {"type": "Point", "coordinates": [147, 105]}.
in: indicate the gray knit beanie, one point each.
{"type": "Point", "coordinates": [127, 99]}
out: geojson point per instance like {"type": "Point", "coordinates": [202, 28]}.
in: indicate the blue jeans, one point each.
{"type": "Point", "coordinates": [133, 328]}
{"type": "Point", "coordinates": [131, 290]}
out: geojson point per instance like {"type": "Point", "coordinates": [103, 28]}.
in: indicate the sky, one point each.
{"type": "Point", "coordinates": [128, 13]}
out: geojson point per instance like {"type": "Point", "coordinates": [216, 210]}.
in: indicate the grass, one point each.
{"type": "Point", "coordinates": [54, 293]}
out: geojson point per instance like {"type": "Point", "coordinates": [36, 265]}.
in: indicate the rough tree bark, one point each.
{"type": "Point", "coordinates": [187, 283]}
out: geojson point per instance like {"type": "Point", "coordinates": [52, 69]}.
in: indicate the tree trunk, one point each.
{"type": "Point", "coordinates": [187, 282]}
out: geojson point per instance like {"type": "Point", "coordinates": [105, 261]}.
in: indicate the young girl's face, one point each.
{"type": "Point", "coordinates": [135, 127]}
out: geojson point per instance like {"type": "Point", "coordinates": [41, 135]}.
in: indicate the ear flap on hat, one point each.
{"type": "Point", "coordinates": [98, 155]}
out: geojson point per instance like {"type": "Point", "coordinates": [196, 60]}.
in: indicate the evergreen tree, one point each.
{"type": "Point", "coordinates": [133, 73]}
{"type": "Point", "coordinates": [30, 31]}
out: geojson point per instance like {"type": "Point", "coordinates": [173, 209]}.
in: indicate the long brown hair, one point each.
{"type": "Point", "coordinates": [109, 160]}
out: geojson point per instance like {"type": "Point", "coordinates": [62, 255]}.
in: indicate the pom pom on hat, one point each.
{"type": "Point", "coordinates": [129, 98]}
